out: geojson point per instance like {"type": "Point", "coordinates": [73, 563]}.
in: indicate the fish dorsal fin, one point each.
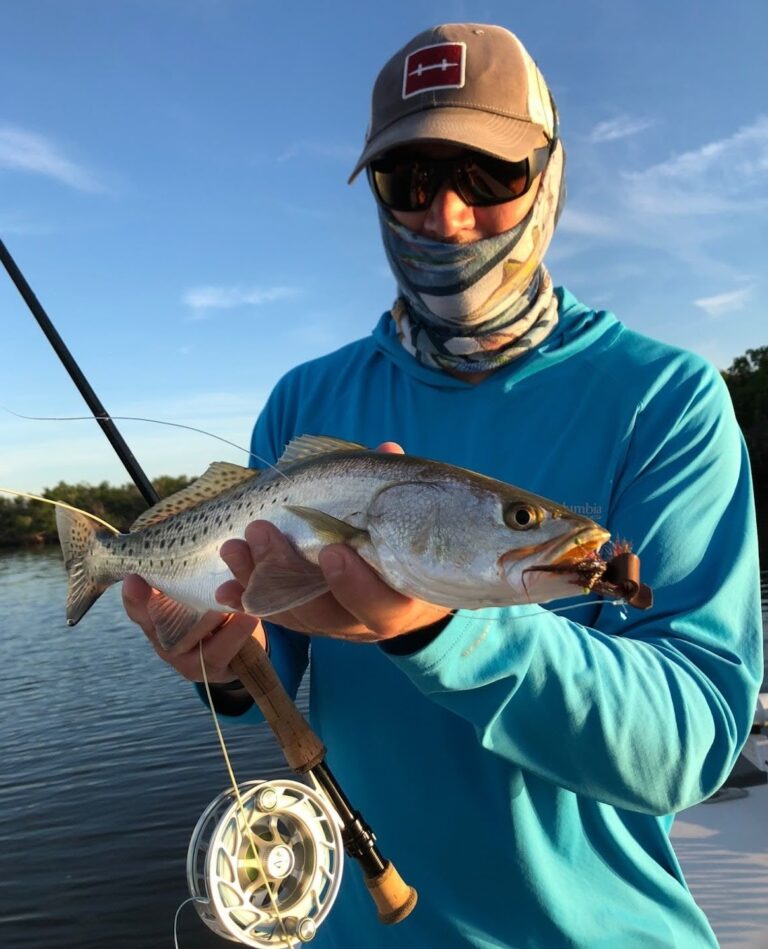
{"type": "Point", "coordinates": [217, 478]}
{"type": "Point", "coordinates": [305, 446]}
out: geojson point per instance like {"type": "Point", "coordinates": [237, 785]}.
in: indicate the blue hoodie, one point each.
{"type": "Point", "coordinates": [521, 769]}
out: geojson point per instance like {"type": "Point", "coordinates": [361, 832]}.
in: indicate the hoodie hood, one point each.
{"type": "Point", "coordinates": [578, 328]}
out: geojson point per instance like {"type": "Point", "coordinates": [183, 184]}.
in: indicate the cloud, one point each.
{"type": "Point", "coordinates": [201, 299]}
{"type": "Point", "coordinates": [720, 177]}
{"type": "Point", "coordinates": [729, 302]}
{"type": "Point", "coordinates": [701, 208]}
{"type": "Point", "coordinates": [25, 151]}
{"type": "Point", "coordinates": [621, 127]}
{"type": "Point", "coordinates": [586, 224]}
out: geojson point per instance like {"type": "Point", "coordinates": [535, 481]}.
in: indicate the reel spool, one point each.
{"type": "Point", "coordinates": [299, 859]}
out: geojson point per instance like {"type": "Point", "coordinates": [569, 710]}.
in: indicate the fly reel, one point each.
{"type": "Point", "coordinates": [266, 873]}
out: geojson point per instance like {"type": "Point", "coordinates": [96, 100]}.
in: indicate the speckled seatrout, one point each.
{"type": "Point", "coordinates": [431, 530]}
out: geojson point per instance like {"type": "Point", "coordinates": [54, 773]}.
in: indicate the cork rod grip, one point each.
{"type": "Point", "coordinates": [302, 748]}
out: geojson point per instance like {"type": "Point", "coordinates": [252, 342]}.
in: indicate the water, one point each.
{"type": "Point", "coordinates": [108, 760]}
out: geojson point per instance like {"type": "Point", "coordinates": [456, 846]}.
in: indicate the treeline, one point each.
{"type": "Point", "coordinates": [747, 381]}
{"type": "Point", "coordinates": [32, 522]}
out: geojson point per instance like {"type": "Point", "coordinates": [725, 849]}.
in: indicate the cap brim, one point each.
{"type": "Point", "coordinates": [498, 135]}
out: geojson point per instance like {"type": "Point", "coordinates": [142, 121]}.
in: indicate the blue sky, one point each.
{"type": "Point", "coordinates": [173, 185]}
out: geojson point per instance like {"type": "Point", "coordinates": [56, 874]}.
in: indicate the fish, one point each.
{"type": "Point", "coordinates": [433, 531]}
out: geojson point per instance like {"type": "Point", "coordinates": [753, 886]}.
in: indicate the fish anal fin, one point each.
{"type": "Point", "coordinates": [273, 586]}
{"type": "Point", "coordinates": [306, 446]}
{"type": "Point", "coordinates": [172, 620]}
{"type": "Point", "coordinates": [328, 528]}
{"type": "Point", "coordinates": [217, 478]}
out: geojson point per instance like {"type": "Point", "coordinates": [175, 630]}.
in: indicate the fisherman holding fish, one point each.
{"type": "Point", "coordinates": [522, 764]}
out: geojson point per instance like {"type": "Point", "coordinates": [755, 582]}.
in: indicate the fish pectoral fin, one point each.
{"type": "Point", "coordinates": [172, 620]}
{"type": "Point", "coordinates": [328, 529]}
{"type": "Point", "coordinates": [215, 480]}
{"type": "Point", "coordinates": [306, 446]}
{"type": "Point", "coordinates": [274, 587]}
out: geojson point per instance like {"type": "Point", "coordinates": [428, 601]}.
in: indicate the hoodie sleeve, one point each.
{"type": "Point", "coordinates": [642, 710]}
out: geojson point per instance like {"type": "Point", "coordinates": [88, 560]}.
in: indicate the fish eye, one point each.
{"type": "Point", "coordinates": [522, 517]}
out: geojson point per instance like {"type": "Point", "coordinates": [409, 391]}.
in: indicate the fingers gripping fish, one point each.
{"type": "Point", "coordinates": [432, 531]}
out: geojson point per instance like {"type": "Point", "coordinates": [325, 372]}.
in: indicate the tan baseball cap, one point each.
{"type": "Point", "coordinates": [463, 84]}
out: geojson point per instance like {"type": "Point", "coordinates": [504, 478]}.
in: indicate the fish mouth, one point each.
{"type": "Point", "coordinates": [577, 546]}
{"type": "Point", "coordinates": [563, 555]}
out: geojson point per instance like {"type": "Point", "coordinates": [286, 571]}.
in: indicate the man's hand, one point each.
{"type": "Point", "coordinates": [222, 634]}
{"type": "Point", "coordinates": [359, 606]}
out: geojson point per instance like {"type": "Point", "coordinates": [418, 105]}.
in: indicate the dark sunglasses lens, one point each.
{"type": "Point", "coordinates": [403, 185]}
{"type": "Point", "coordinates": [492, 181]}
{"type": "Point", "coordinates": [408, 183]}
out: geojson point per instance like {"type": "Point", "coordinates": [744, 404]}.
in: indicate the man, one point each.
{"type": "Point", "coordinates": [518, 765]}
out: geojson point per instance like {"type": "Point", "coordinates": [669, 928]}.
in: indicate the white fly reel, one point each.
{"type": "Point", "coordinates": [267, 874]}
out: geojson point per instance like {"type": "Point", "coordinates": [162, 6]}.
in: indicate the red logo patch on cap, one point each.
{"type": "Point", "coordinates": [434, 67]}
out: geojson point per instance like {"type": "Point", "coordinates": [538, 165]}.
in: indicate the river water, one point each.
{"type": "Point", "coordinates": [108, 759]}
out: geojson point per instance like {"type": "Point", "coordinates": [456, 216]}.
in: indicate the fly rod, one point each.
{"type": "Point", "coordinates": [303, 749]}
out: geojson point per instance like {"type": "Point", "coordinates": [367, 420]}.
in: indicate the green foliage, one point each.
{"type": "Point", "coordinates": [747, 381]}
{"type": "Point", "coordinates": [31, 522]}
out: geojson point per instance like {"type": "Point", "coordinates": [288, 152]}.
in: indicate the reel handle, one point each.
{"type": "Point", "coordinates": [302, 748]}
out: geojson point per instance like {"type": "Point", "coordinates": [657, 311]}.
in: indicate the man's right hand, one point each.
{"type": "Point", "coordinates": [222, 635]}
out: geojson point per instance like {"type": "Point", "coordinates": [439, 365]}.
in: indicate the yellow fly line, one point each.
{"type": "Point", "coordinates": [236, 789]}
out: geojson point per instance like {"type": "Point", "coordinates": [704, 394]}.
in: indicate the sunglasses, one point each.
{"type": "Point", "coordinates": [404, 181]}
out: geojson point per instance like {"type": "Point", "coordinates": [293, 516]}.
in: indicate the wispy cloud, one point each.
{"type": "Point", "coordinates": [586, 224]}
{"type": "Point", "coordinates": [202, 299]}
{"type": "Point", "coordinates": [700, 208]}
{"type": "Point", "coordinates": [720, 177]}
{"type": "Point", "coordinates": [621, 127]}
{"type": "Point", "coordinates": [730, 302]}
{"type": "Point", "coordinates": [21, 150]}
{"type": "Point", "coordinates": [336, 152]}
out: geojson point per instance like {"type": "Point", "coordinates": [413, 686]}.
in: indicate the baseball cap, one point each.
{"type": "Point", "coordinates": [465, 84]}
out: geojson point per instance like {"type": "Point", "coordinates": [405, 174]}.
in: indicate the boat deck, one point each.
{"type": "Point", "coordinates": [723, 850]}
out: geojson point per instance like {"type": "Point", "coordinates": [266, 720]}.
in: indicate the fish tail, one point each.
{"type": "Point", "coordinates": [80, 536]}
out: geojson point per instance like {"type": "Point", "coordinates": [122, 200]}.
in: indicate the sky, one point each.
{"type": "Point", "coordinates": [173, 185]}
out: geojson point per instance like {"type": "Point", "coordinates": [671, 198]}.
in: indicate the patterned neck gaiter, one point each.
{"type": "Point", "coordinates": [475, 307]}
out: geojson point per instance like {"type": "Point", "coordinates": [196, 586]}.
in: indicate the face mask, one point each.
{"type": "Point", "coordinates": [478, 305]}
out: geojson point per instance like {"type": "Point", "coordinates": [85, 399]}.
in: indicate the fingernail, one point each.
{"type": "Point", "coordinates": [258, 539]}
{"type": "Point", "coordinates": [333, 564]}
